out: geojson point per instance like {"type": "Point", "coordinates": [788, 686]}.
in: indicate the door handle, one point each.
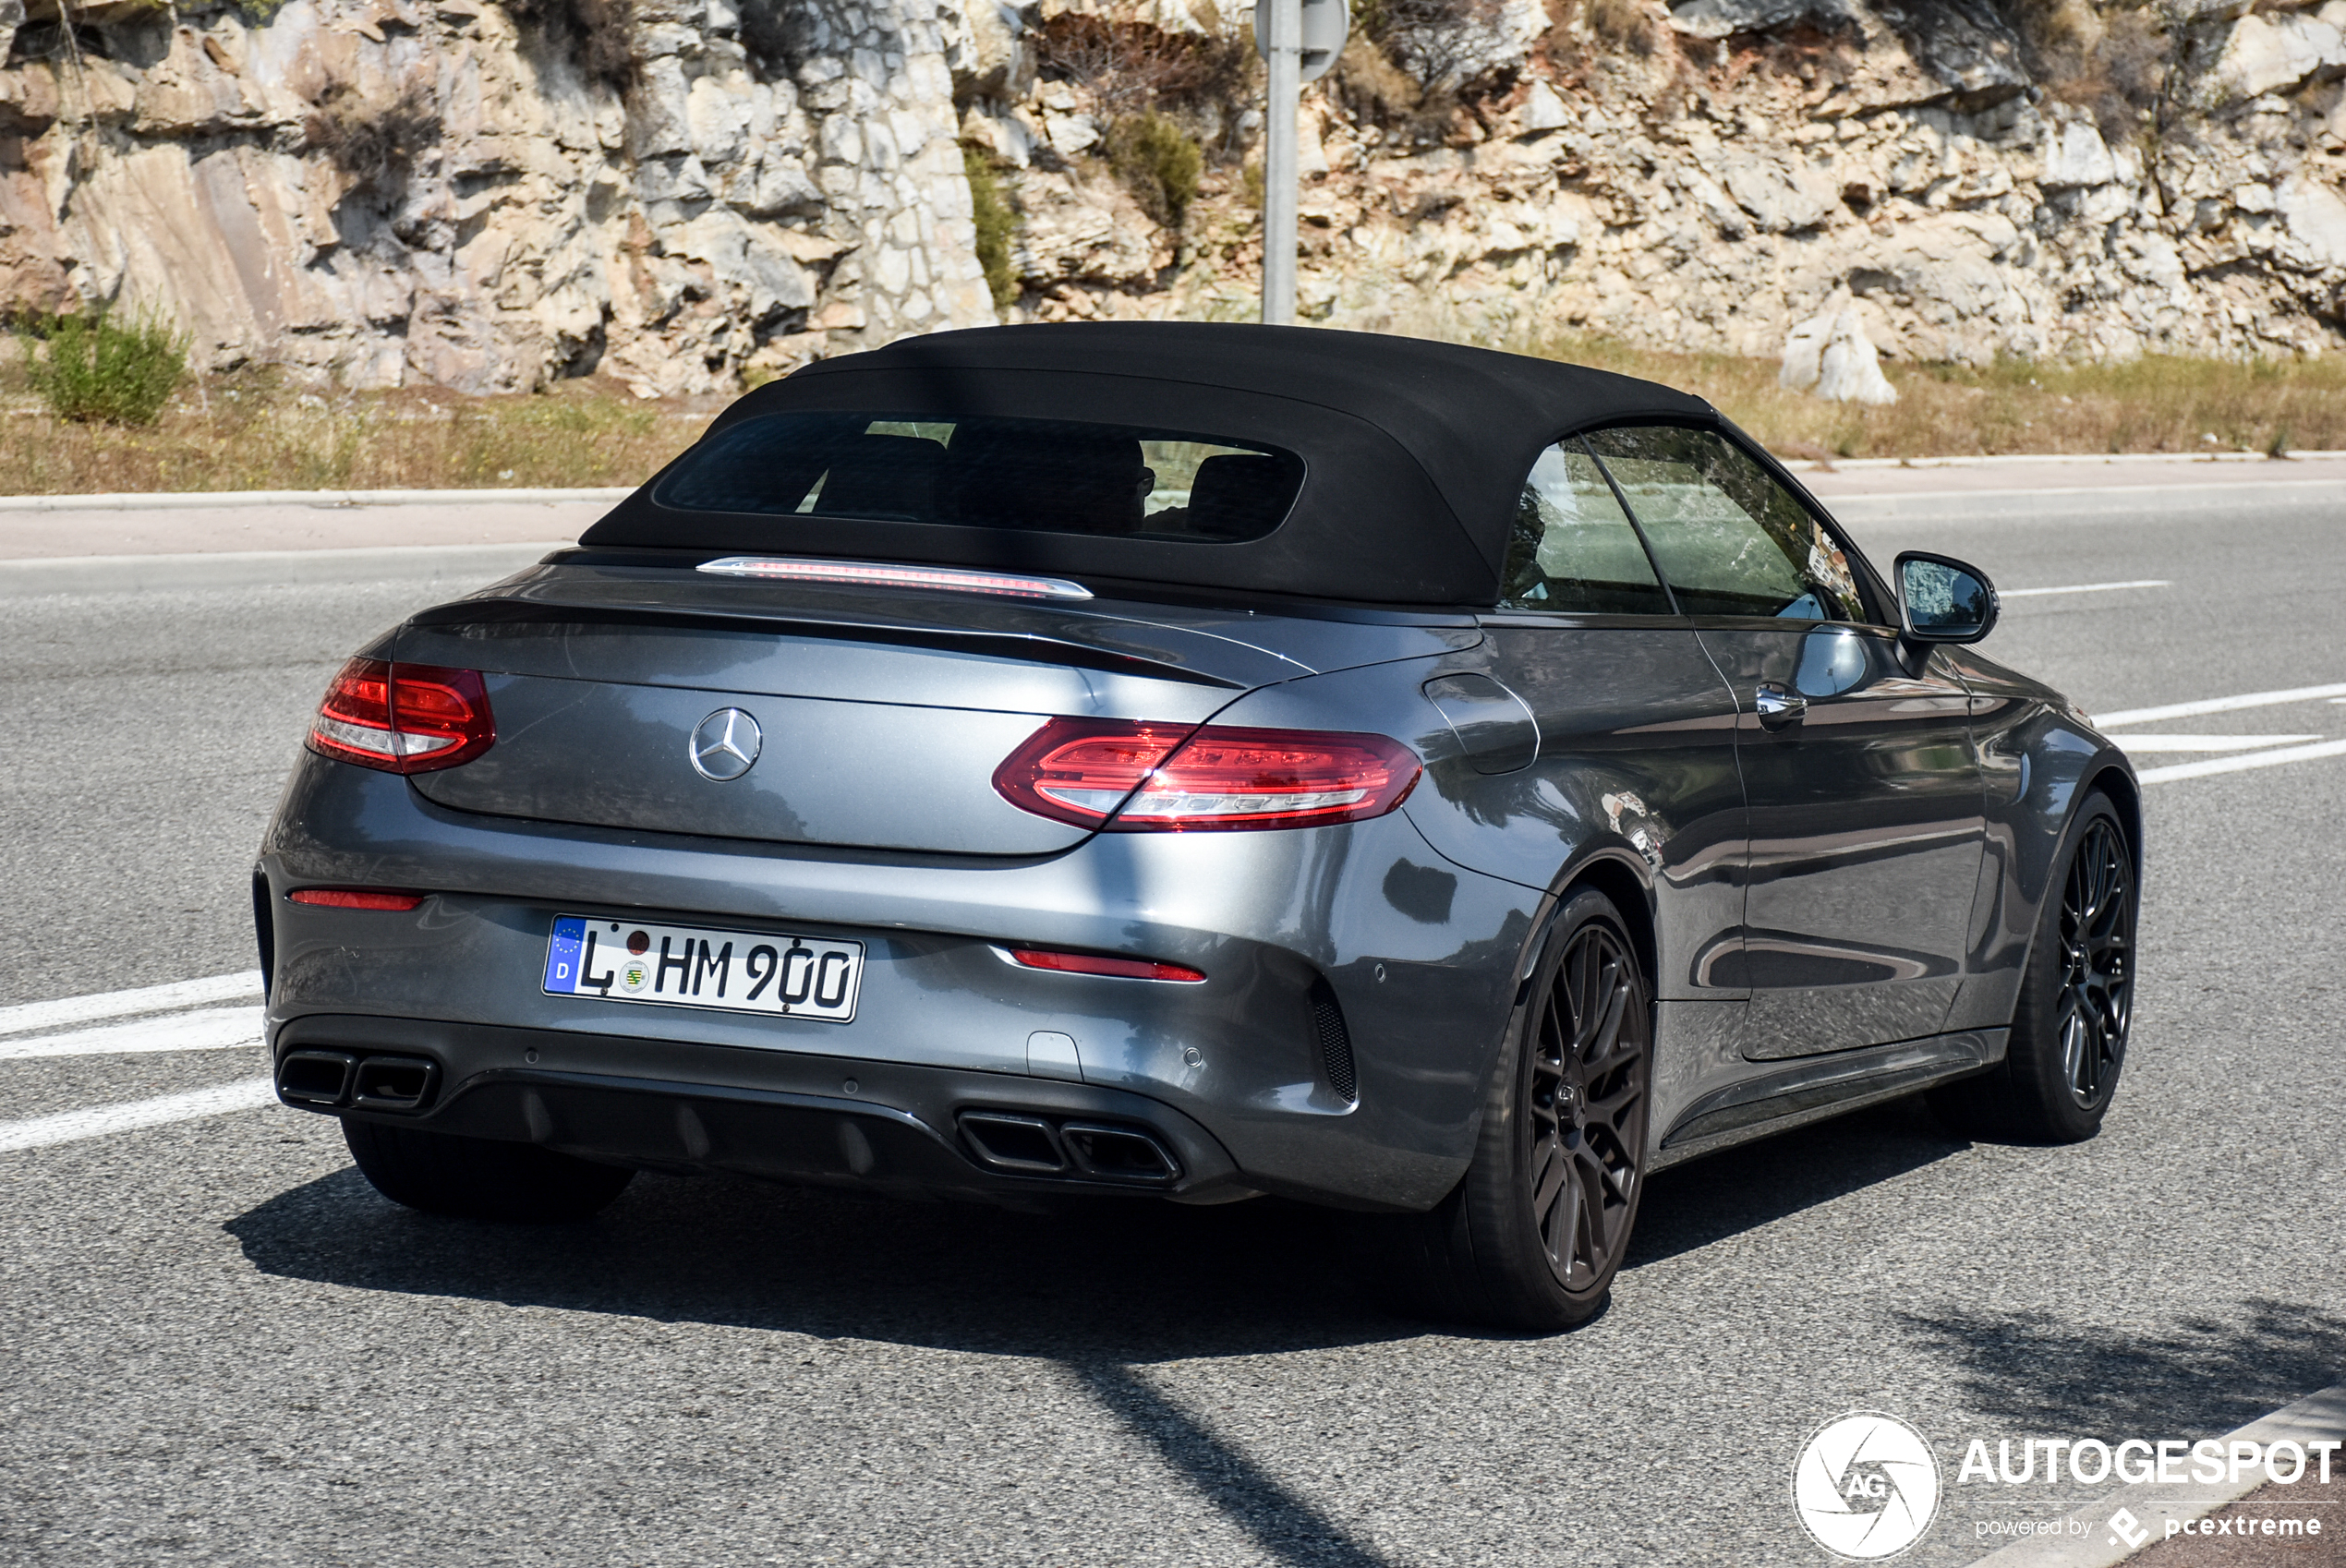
{"type": "Point", "coordinates": [1776, 706]}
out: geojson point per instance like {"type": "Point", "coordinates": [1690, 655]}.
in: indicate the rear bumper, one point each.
{"type": "Point", "coordinates": [776, 1115]}
{"type": "Point", "coordinates": [1232, 1076]}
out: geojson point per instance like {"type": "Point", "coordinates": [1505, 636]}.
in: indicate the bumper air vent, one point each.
{"type": "Point", "coordinates": [1335, 1043]}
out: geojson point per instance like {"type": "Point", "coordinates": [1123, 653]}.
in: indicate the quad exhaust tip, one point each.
{"type": "Point", "coordinates": [330, 1081]}
{"type": "Point", "coordinates": [1022, 1144]}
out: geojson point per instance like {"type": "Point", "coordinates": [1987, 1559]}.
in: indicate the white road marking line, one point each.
{"type": "Point", "coordinates": [145, 999]}
{"type": "Point", "coordinates": [2082, 588]}
{"type": "Point", "coordinates": [2236, 763]}
{"type": "Point", "coordinates": [2164, 744]}
{"type": "Point", "coordinates": [68, 1126]}
{"type": "Point", "coordinates": [213, 1029]}
{"type": "Point", "coordinates": [2216, 704]}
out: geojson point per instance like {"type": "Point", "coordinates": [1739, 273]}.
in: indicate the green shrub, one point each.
{"type": "Point", "coordinates": [1158, 162]}
{"type": "Point", "coordinates": [997, 221]}
{"type": "Point", "coordinates": [91, 367]}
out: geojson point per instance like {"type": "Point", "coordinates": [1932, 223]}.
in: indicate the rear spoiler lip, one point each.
{"type": "Point", "coordinates": [1030, 647]}
{"type": "Point", "coordinates": [1104, 589]}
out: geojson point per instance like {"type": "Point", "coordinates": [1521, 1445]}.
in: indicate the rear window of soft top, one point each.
{"type": "Point", "coordinates": [1047, 476]}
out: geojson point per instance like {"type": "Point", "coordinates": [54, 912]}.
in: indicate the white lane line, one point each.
{"type": "Point", "coordinates": [2082, 588]}
{"type": "Point", "coordinates": [2134, 742]}
{"type": "Point", "coordinates": [145, 999]}
{"type": "Point", "coordinates": [2237, 763]}
{"type": "Point", "coordinates": [213, 1029]}
{"type": "Point", "coordinates": [68, 1126]}
{"type": "Point", "coordinates": [2216, 704]}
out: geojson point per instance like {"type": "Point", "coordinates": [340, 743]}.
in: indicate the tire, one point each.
{"type": "Point", "coordinates": [1534, 1232]}
{"type": "Point", "coordinates": [480, 1178]}
{"type": "Point", "coordinates": [2068, 1039]}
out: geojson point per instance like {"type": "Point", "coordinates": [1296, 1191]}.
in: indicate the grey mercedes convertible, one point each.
{"type": "Point", "coordinates": [1195, 762]}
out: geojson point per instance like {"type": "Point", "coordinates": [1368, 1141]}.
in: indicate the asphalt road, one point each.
{"type": "Point", "coordinates": [217, 1344]}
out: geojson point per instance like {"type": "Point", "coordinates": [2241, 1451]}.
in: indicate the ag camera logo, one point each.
{"type": "Point", "coordinates": [1865, 1486]}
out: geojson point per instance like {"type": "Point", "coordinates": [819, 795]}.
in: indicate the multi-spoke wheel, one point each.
{"type": "Point", "coordinates": [1585, 1107]}
{"type": "Point", "coordinates": [2068, 1037]}
{"type": "Point", "coordinates": [1536, 1229]}
{"type": "Point", "coordinates": [2096, 935]}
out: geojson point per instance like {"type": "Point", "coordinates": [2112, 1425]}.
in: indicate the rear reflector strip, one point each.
{"type": "Point", "coordinates": [355, 897]}
{"type": "Point", "coordinates": [1094, 963]}
{"type": "Point", "coordinates": [879, 574]}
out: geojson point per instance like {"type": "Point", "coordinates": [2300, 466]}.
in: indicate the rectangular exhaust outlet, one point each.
{"type": "Point", "coordinates": [314, 1078]}
{"type": "Point", "coordinates": [1007, 1142]}
{"type": "Point", "coordinates": [1120, 1153]}
{"type": "Point", "coordinates": [395, 1083]}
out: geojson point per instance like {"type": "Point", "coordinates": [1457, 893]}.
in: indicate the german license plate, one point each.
{"type": "Point", "coordinates": [682, 966]}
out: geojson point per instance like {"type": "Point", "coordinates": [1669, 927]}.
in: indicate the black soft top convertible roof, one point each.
{"type": "Point", "coordinates": [1415, 451]}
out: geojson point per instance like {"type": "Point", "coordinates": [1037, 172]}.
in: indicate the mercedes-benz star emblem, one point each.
{"type": "Point", "coordinates": [725, 744]}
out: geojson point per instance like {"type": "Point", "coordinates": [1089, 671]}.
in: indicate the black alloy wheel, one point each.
{"type": "Point", "coordinates": [2096, 936]}
{"type": "Point", "coordinates": [2068, 1037]}
{"type": "Point", "coordinates": [1534, 1232]}
{"type": "Point", "coordinates": [1585, 1107]}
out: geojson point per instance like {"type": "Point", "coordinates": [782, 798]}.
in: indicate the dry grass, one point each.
{"type": "Point", "coordinates": [2151, 404]}
{"type": "Point", "coordinates": [256, 431]}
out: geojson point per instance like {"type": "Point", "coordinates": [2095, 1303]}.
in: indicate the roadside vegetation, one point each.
{"type": "Point", "coordinates": [2151, 404]}
{"type": "Point", "coordinates": [258, 429]}
{"type": "Point", "coordinates": [90, 366]}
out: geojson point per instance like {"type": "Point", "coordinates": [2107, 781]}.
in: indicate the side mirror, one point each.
{"type": "Point", "coordinates": [1942, 600]}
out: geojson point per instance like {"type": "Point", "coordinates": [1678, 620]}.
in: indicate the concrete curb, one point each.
{"type": "Point", "coordinates": [1839, 464]}
{"type": "Point", "coordinates": [2321, 1416]}
{"type": "Point", "coordinates": [168, 500]}
{"type": "Point", "coordinates": [2089, 503]}
{"type": "Point", "coordinates": [455, 566]}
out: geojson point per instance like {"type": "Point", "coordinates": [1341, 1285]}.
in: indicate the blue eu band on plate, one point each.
{"type": "Point", "coordinates": [752, 971]}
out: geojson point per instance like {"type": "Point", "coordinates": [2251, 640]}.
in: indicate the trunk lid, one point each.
{"type": "Point", "coordinates": [879, 715]}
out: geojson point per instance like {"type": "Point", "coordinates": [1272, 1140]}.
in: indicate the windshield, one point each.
{"type": "Point", "coordinates": [1050, 476]}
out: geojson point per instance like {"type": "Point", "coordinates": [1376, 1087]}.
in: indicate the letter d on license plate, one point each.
{"type": "Point", "coordinates": [681, 966]}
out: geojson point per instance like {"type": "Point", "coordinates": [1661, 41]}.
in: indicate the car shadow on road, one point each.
{"type": "Point", "coordinates": [1693, 1205]}
{"type": "Point", "coordinates": [1106, 1288]}
{"type": "Point", "coordinates": [1131, 1282]}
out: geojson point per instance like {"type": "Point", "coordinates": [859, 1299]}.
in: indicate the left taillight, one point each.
{"type": "Point", "coordinates": [404, 717]}
{"type": "Point", "coordinates": [1138, 778]}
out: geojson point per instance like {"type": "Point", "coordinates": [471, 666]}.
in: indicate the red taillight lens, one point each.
{"type": "Point", "coordinates": [1148, 778]}
{"type": "Point", "coordinates": [404, 717]}
{"type": "Point", "coordinates": [1080, 770]}
{"type": "Point", "coordinates": [355, 897]}
{"type": "Point", "coordinates": [1094, 963]}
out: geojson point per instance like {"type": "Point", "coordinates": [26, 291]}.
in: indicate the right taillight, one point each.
{"type": "Point", "coordinates": [1144, 777]}
{"type": "Point", "coordinates": [403, 717]}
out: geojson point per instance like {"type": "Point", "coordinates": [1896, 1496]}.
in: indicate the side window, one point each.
{"type": "Point", "coordinates": [1573, 550]}
{"type": "Point", "coordinates": [1730, 539]}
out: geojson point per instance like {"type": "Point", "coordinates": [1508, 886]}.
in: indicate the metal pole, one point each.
{"type": "Point", "coordinates": [1285, 97]}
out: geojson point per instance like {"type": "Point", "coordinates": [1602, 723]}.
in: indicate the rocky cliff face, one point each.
{"type": "Point", "coordinates": [392, 190]}
{"type": "Point", "coordinates": [2113, 181]}
{"type": "Point", "coordinates": [489, 194]}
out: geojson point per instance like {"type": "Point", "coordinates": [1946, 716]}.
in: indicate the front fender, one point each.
{"type": "Point", "coordinates": [2038, 757]}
